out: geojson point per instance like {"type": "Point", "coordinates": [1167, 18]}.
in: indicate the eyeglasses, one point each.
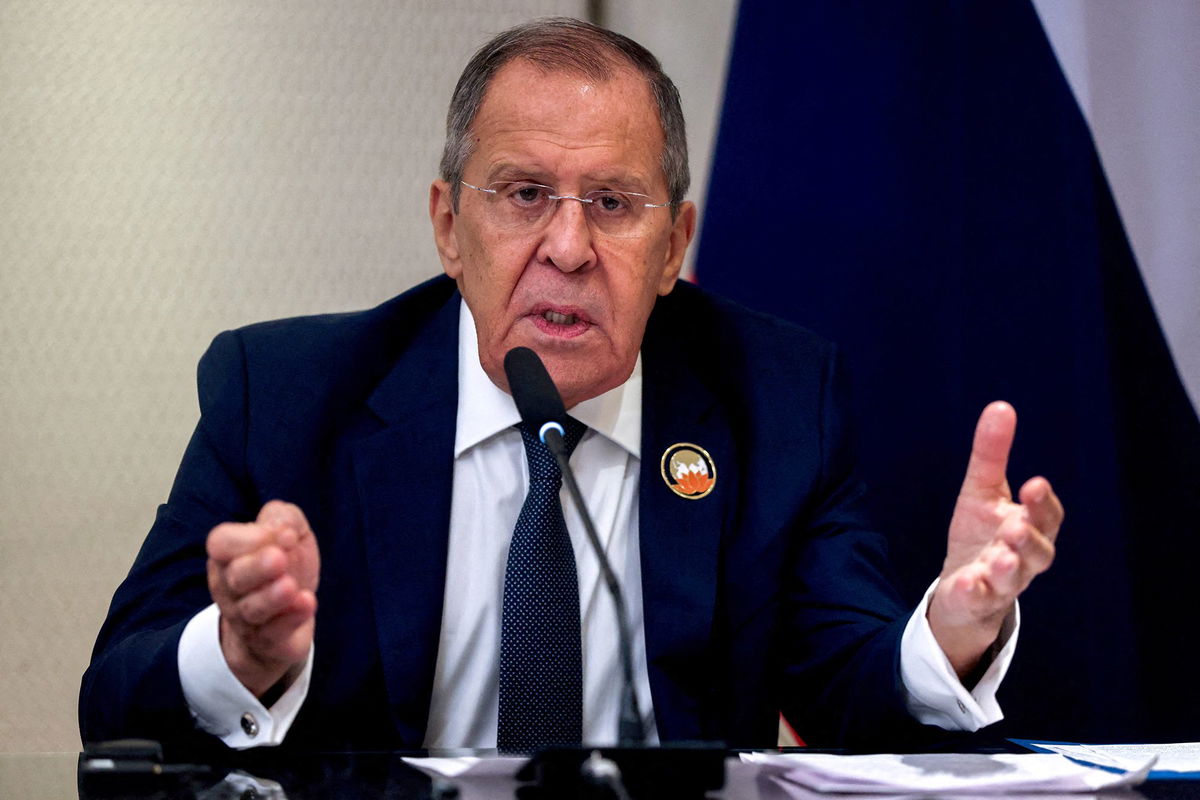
{"type": "Point", "coordinates": [525, 206]}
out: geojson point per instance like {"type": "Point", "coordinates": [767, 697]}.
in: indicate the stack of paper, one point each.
{"type": "Point", "coordinates": [942, 773]}
{"type": "Point", "coordinates": [1179, 760]}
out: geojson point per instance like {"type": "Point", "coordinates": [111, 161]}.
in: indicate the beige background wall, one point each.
{"type": "Point", "coordinates": [171, 169]}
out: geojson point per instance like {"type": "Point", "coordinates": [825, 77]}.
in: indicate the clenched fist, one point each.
{"type": "Point", "coordinates": [263, 577]}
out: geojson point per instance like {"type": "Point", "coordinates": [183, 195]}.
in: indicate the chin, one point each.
{"type": "Point", "coordinates": [578, 381]}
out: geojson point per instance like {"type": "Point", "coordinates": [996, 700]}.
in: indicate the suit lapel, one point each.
{"type": "Point", "coordinates": [680, 537]}
{"type": "Point", "coordinates": [404, 476]}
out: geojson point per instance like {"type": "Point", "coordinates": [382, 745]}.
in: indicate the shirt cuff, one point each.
{"type": "Point", "coordinates": [219, 702]}
{"type": "Point", "coordinates": [934, 694]}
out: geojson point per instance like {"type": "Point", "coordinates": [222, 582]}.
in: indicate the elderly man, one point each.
{"type": "Point", "coordinates": [387, 603]}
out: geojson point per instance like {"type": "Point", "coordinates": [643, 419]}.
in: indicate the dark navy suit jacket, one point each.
{"type": "Point", "coordinates": [769, 594]}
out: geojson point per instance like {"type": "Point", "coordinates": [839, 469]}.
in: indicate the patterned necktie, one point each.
{"type": "Point", "coordinates": [541, 676]}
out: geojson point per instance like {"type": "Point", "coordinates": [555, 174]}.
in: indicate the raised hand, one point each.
{"type": "Point", "coordinates": [263, 577]}
{"type": "Point", "coordinates": [996, 544]}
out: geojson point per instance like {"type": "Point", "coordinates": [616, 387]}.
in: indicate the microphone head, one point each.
{"type": "Point", "coordinates": [537, 398]}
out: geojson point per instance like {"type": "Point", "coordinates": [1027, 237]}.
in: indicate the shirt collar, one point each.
{"type": "Point", "coordinates": [484, 410]}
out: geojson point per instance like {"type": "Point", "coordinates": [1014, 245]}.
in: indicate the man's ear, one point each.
{"type": "Point", "coordinates": [441, 214]}
{"type": "Point", "coordinates": [682, 231]}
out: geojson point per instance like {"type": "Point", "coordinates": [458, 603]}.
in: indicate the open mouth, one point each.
{"type": "Point", "coordinates": [561, 322]}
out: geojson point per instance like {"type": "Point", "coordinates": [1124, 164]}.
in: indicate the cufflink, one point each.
{"type": "Point", "coordinates": [249, 725]}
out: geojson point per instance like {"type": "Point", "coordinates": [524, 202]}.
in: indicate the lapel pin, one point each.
{"type": "Point", "coordinates": [688, 470]}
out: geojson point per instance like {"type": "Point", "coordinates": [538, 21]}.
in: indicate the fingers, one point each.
{"type": "Point", "coordinates": [254, 588]}
{"type": "Point", "coordinates": [267, 602]}
{"type": "Point", "coordinates": [1045, 509]}
{"type": "Point", "coordinates": [989, 451]}
{"type": "Point", "coordinates": [278, 522]}
{"type": "Point", "coordinates": [246, 573]}
{"type": "Point", "coordinates": [996, 546]}
{"type": "Point", "coordinates": [263, 654]}
{"type": "Point", "coordinates": [232, 539]}
{"type": "Point", "coordinates": [1021, 553]}
{"type": "Point", "coordinates": [973, 595]}
{"type": "Point", "coordinates": [258, 562]}
{"type": "Point", "coordinates": [988, 585]}
{"type": "Point", "coordinates": [263, 577]}
{"type": "Point", "coordinates": [983, 589]}
{"type": "Point", "coordinates": [287, 636]}
{"type": "Point", "coordinates": [967, 611]}
{"type": "Point", "coordinates": [287, 521]}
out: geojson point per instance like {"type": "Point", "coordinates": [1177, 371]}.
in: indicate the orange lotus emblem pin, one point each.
{"type": "Point", "coordinates": [689, 470]}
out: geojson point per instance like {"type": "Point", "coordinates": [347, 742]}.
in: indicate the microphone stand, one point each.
{"type": "Point", "coordinates": [632, 769]}
{"type": "Point", "coordinates": [679, 770]}
{"type": "Point", "coordinates": [630, 729]}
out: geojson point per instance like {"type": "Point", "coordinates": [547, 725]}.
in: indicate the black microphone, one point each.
{"type": "Point", "coordinates": [537, 398]}
{"type": "Point", "coordinates": [541, 408]}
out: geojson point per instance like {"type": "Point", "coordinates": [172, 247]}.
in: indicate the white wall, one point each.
{"type": "Point", "coordinates": [692, 40]}
{"type": "Point", "coordinates": [168, 170]}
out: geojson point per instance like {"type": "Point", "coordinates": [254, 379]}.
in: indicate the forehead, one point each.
{"type": "Point", "coordinates": [567, 125]}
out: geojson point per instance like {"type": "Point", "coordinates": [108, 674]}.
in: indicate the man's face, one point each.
{"type": "Point", "coordinates": [576, 296]}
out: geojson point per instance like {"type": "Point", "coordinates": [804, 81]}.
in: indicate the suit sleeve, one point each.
{"type": "Point", "coordinates": [843, 618]}
{"type": "Point", "coordinates": [132, 687]}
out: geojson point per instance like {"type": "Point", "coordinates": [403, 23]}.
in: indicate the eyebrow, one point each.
{"type": "Point", "coordinates": [509, 171]}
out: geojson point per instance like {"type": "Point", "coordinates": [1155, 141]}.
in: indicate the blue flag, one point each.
{"type": "Point", "coordinates": [915, 181]}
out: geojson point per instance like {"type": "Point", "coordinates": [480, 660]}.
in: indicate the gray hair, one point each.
{"type": "Point", "coordinates": [565, 44]}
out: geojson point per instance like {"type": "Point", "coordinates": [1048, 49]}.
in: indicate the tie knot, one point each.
{"type": "Point", "coordinates": [542, 465]}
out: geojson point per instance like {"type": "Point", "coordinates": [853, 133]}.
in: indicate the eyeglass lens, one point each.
{"type": "Point", "coordinates": [524, 205]}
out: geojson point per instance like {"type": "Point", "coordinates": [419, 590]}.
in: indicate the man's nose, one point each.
{"type": "Point", "coordinates": [567, 238]}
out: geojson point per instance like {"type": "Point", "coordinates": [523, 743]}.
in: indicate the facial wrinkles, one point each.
{"type": "Point", "coordinates": [575, 137]}
{"type": "Point", "coordinates": [555, 165]}
{"type": "Point", "coordinates": [591, 289]}
{"type": "Point", "coordinates": [537, 283]}
{"type": "Point", "coordinates": [581, 125]}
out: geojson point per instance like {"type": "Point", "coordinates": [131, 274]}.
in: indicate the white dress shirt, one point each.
{"type": "Point", "coordinates": [489, 486]}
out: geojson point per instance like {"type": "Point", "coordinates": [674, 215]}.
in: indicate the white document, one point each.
{"type": "Point", "coordinates": [472, 777]}
{"type": "Point", "coordinates": [1180, 757]}
{"type": "Point", "coordinates": [943, 773]}
{"type": "Point", "coordinates": [469, 766]}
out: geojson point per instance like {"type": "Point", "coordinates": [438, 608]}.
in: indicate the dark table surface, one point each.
{"type": "Point", "coordinates": [351, 775]}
